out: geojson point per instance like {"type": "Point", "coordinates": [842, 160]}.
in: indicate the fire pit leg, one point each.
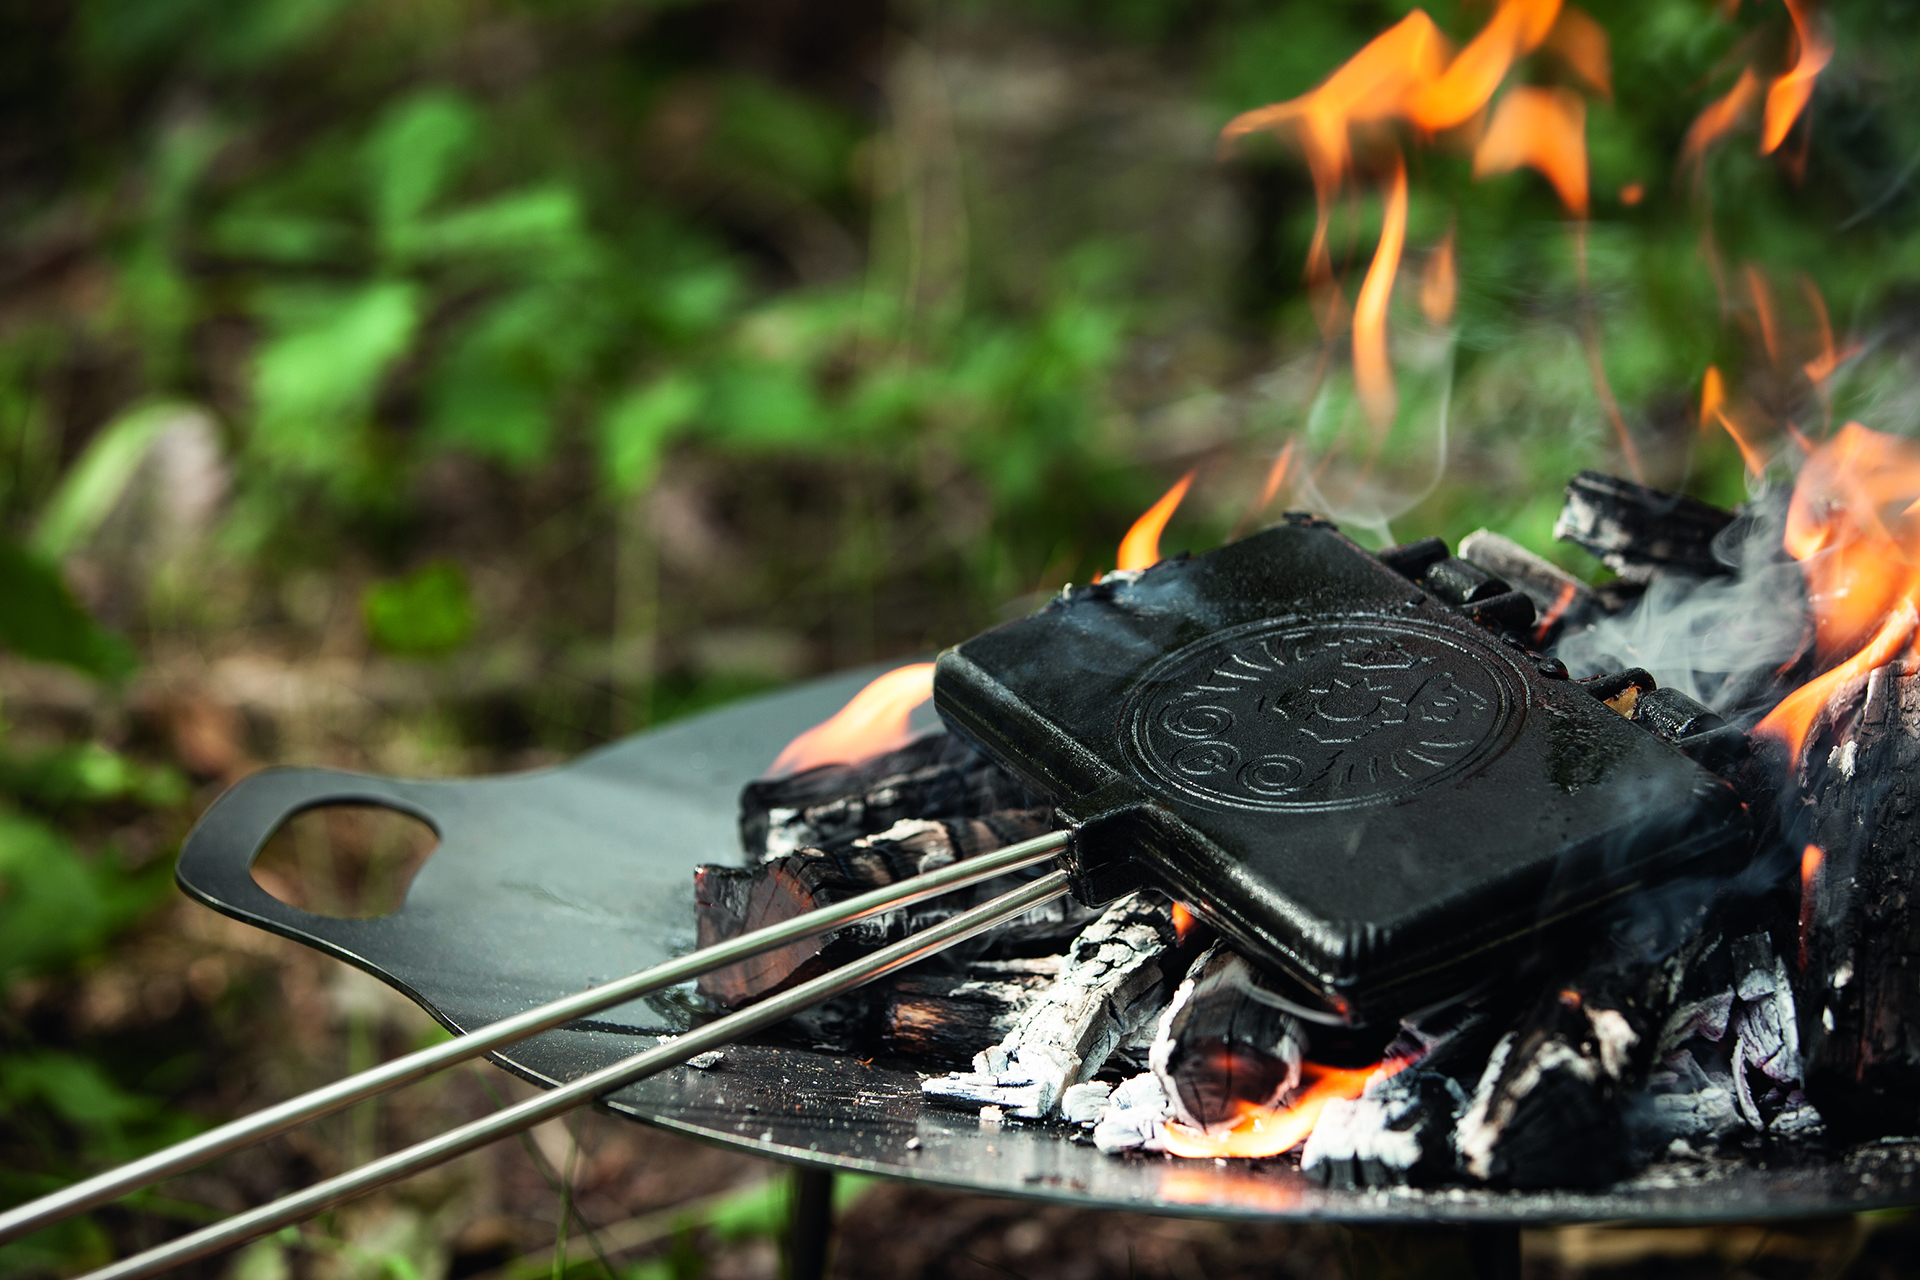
{"type": "Point", "coordinates": [1494, 1252]}
{"type": "Point", "coordinates": [809, 1224]}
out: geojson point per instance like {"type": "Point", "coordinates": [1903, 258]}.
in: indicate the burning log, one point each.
{"type": "Point", "coordinates": [1220, 1048]}
{"type": "Point", "coordinates": [1109, 988]}
{"type": "Point", "coordinates": [944, 1018]}
{"type": "Point", "coordinates": [1858, 949]}
{"type": "Point", "coordinates": [1399, 1131]}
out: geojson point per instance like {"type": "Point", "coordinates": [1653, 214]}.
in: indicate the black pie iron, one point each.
{"type": "Point", "coordinates": [1350, 765]}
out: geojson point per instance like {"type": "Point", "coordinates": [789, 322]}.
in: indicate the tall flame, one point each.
{"type": "Point", "coordinates": [1262, 1131]}
{"type": "Point", "coordinates": [875, 720]}
{"type": "Point", "coordinates": [1788, 95]}
{"type": "Point", "coordinates": [1372, 374]}
{"type": "Point", "coordinates": [1140, 549]}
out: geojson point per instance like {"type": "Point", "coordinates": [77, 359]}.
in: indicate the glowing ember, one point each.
{"type": "Point", "coordinates": [1633, 193]}
{"type": "Point", "coordinates": [1183, 921]}
{"type": "Point", "coordinates": [1262, 1132]}
{"type": "Point", "coordinates": [1787, 96]}
{"type": "Point", "coordinates": [1140, 549]}
{"type": "Point", "coordinates": [1554, 612]}
{"type": "Point", "coordinates": [1810, 861]}
{"type": "Point", "coordinates": [875, 720]}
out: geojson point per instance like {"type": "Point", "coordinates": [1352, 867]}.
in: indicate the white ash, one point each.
{"type": "Point", "coordinates": [1135, 1117]}
{"type": "Point", "coordinates": [1495, 1102]}
{"type": "Point", "coordinates": [1109, 985]}
{"type": "Point", "coordinates": [1083, 1103]}
{"type": "Point", "coordinates": [1684, 1101]}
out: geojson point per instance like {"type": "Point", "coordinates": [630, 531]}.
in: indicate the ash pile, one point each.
{"type": "Point", "coordinates": [1767, 1013]}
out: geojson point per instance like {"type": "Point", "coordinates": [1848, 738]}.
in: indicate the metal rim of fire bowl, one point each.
{"type": "Point", "coordinates": [547, 882]}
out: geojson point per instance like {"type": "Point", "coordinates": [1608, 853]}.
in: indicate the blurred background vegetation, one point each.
{"type": "Point", "coordinates": [439, 386]}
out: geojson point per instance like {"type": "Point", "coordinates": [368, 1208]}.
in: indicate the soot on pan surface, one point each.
{"type": "Point", "coordinates": [1350, 765]}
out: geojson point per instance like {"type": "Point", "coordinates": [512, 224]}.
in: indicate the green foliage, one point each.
{"type": "Point", "coordinates": [59, 906]}
{"type": "Point", "coordinates": [40, 619]}
{"type": "Point", "coordinates": [426, 614]}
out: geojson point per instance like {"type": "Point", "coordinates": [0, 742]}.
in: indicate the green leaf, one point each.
{"type": "Point", "coordinates": [416, 150]}
{"type": "Point", "coordinates": [427, 614]}
{"type": "Point", "coordinates": [40, 619]}
{"type": "Point", "coordinates": [637, 429]}
{"type": "Point", "coordinates": [315, 379]}
{"type": "Point", "coordinates": [93, 485]}
{"type": "Point", "coordinates": [55, 905]}
{"type": "Point", "coordinates": [541, 220]}
{"type": "Point", "coordinates": [90, 774]}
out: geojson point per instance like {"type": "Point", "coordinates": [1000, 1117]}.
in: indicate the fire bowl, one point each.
{"type": "Point", "coordinates": [546, 883]}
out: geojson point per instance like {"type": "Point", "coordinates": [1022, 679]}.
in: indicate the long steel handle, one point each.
{"type": "Point", "coordinates": [315, 1199]}
{"type": "Point", "coordinates": [97, 1190]}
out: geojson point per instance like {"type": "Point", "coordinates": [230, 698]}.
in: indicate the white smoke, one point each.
{"type": "Point", "coordinates": [1708, 637]}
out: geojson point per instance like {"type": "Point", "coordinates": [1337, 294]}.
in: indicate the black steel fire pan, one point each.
{"type": "Point", "coordinates": [547, 882]}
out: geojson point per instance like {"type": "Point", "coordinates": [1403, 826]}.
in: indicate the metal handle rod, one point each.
{"type": "Point", "coordinates": [324, 1195]}
{"type": "Point", "coordinates": [327, 1099]}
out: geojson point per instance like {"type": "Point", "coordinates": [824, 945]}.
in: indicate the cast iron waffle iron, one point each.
{"type": "Point", "coordinates": [544, 883]}
{"type": "Point", "coordinates": [1365, 788]}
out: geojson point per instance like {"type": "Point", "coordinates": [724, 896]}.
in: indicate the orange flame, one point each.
{"type": "Point", "coordinates": [1720, 118]}
{"type": "Point", "coordinates": [1822, 366]}
{"type": "Point", "coordinates": [1853, 527]}
{"type": "Point", "coordinates": [1789, 94]}
{"type": "Point", "coordinates": [1261, 1131]}
{"type": "Point", "coordinates": [1713, 394]}
{"type": "Point", "coordinates": [1439, 282]}
{"type": "Point", "coordinates": [1792, 720]}
{"type": "Point", "coordinates": [1372, 374]}
{"type": "Point", "coordinates": [1516, 27]}
{"type": "Point", "coordinates": [1581, 43]}
{"type": "Point", "coordinates": [875, 720]}
{"type": "Point", "coordinates": [1554, 612]}
{"type": "Point", "coordinates": [1545, 129]}
{"type": "Point", "coordinates": [1140, 549]}
{"type": "Point", "coordinates": [1810, 861]}
{"type": "Point", "coordinates": [1183, 921]}
{"type": "Point", "coordinates": [1633, 193]}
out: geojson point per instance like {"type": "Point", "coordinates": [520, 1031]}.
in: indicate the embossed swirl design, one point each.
{"type": "Point", "coordinates": [1322, 714]}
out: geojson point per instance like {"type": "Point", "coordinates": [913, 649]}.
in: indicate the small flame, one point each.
{"type": "Point", "coordinates": [1763, 311]}
{"type": "Point", "coordinates": [1555, 612]}
{"type": "Point", "coordinates": [1571, 998]}
{"type": "Point", "coordinates": [1633, 193]}
{"type": "Point", "coordinates": [1140, 549]}
{"type": "Point", "coordinates": [1581, 43]}
{"type": "Point", "coordinates": [1822, 366]}
{"type": "Point", "coordinates": [1810, 861]}
{"type": "Point", "coordinates": [1371, 371]}
{"type": "Point", "coordinates": [1788, 95]}
{"type": "Point", "coordinates": [1183, 921]}
{"type": "Point", "coordinates": [1544, 129]}
{"type": "Point", "coordinates": [875, 720]}
{"type": "Point", "coordinates": [1263, 1131]}
{"type": "Point", "coordinates": [1720, 118]}
{"type": "Point", "coordinates": [1713, 394]}
{"type": "Point", "coordinates": [1439, 283]}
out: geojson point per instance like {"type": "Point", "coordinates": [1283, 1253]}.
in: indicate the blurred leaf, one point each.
{"type": "Point", "coordinates": [414, 152]}
{"type": "Point", "coordinates": [56, 906]}
{"type": "Point", "coordinates": [772, 133]}
{"type": "Point", "coordinates": [636, 430]}
{"type": "Point", "coordinates": [40, 619]}
{"type": "Point", "coordinates": [542, 220]}
{"type": "Point", "coordinates": [94, 484]}
{"type": "Point", "coordinates": [427, 614]}
{"type": "Point", "coordinates": [221, 33]}
{"type": "Point", "coordinates": [495, 391]}
{"type": "Point", "coordinates": [315, 379]}
{"type": "Point", "coordinates": [90, 774]}
{"type": "Point", "coordinates": [763, 404]}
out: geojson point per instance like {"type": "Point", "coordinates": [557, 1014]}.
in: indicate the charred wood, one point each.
{"type": "Point", "coordinates": [1859, 945]}
{"type": "Point", "coordinates": [1639, 532]}
{"type": "Point", "coordinates": [936, 776]}
{"type": "Point", "coordinates": [1110, 984]}
{"type": "Point", "coordinates": [1220, 1048]}
{"type": "Point", "coordinates": [942, 1018]}
{"type": "Point", "coordinates": [1561, 600]}
{"type": "Point", "coordinates": [731, 900]}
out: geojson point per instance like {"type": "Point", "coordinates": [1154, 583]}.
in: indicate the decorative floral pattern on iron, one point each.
{"type": "Point", "coordinates": [1327, 713]}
